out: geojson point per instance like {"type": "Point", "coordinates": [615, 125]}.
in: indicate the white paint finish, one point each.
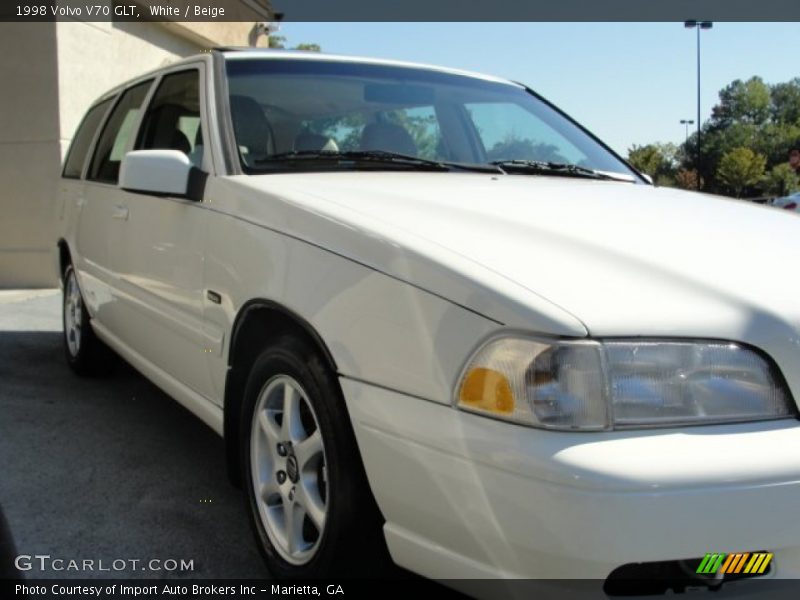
{"type": "Point", "coordinates": [153, 280]}
{"type": "Point", "coordinates": [158, 171]}
{"type": "Point", "coordinates": [298, 205]}
{"type": "Point", "coordinates": [158, 262]}
{"type": "Point", "coordinates": [402, 274]}
{"type": "Point", "coordinates": [158, 285]}
{"type": "Point", "coordinates": [200, 406]}
{"type": "Point", "coordinates": [625, 260]}
{"type": "Point", "coordinates": [352, 307]}
{"type": "Point", "coordinates": [91, 248]}
{"type": "Point", "coordinates": [528, 503]}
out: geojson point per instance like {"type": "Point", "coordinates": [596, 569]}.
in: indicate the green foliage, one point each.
{"type": "Point", "coordinates": [346, 129]}
{"type": "Point", "coordinates": [715, 143]}
{"type": "Point", "coordinates": [424, 130]}
{"type": "Point", "coordinates": [657, 160]}
{"type": "Point", "coordinates": [750, 114]}
{"type": "Point", "coordinates": [786, 102]}
{"type": "Point", "coordinates": [746, 102]}
{"type": "Point", "coordinates": [513, 147]}
{"type": "Point", "coordinates": [740, 168]}
{"type": "Point", "coordinates": [781, 180]}
{"type": "Point", "coordinates": [278, 42]}
{"type": "Point", "coordinates": [773, 140]}
{"type": "Point", "coordinates": [308, 47]}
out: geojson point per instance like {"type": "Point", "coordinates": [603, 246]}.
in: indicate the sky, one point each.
{"type": "Point", "coordinates": [628, 83]}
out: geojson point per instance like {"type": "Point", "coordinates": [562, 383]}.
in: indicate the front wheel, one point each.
{"type": "Point", "coordinates": [311, 508]}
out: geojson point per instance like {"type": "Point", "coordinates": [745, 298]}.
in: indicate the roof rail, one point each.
{"type": "Point", "coordinates": [250, 49]}
{"type": "Point", "coordinates": [229, 48]}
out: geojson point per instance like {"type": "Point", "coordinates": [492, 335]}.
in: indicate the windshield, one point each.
{"type": "Point", "coordinates": [301, 115]}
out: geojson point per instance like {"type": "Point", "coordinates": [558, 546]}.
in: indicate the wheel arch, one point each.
{"type": "Point", "coordinates": [257, 322]}
{"type": "Point", "coordinates": [64, 257]}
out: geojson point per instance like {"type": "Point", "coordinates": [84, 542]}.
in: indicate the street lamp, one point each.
{"type": "Point", "coordinates": [687, 122]}
{"type": "Point", "coordinates": [698, 25]}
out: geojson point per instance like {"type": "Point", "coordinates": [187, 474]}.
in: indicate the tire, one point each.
{"type": "Point", "coordinates": [301, 465]}
{"type": "Point", "coordinates": [86, 354]}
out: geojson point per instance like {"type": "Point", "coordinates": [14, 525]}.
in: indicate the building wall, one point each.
{"type": "Point", "coordinates": [51, 73]}
{"type": "Point", "coordinates": [29, 151]}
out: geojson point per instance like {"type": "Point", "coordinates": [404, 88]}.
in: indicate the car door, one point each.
{"type": "Point", "coordinates": [72, 193]}
{"type": "Point", "coordinates": [99, 205]}
{"type": "Point", "coordinates": [159, 251]}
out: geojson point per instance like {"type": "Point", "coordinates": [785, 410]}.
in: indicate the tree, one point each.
{"type": "Point", "coordinates": [749, 114]}
{"type": "Point", "coordinates": [278, 42]}
{"type": "Point", "coordinates": [786, 102]}
{"type": "Point", "coordinates": [781, 180]}
{"type": "Point", "coordinates": [347, 129]}
{"type": "Point", "coordinates": [740, 168]}
{"type": "Point", "coordinates": [657, 160]}
{"type": "Point", "coordinates": [513, 147]}
{"type": "Point", "coordinates": [715, 143]}
{"type": "Point", "coordinates": [688, 179]}
{"type": "Point", "coordinates": [308, 47]}
{"type": "Point", "coordinates": [747, 102]}
{"type": "Point", "coordinates": [774, 140]}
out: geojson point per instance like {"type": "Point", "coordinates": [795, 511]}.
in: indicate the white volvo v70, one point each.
{"type": "Point", "coordinates": [437, 320]}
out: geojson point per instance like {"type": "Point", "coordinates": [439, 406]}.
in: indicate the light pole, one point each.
{"type": "Point", "coordinates": [698, 25]}
{"type": "Point", "coordinates": [687, 122]}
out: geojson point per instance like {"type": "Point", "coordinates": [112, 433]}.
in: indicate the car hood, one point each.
{"type": "Point", "coordinates": [623, 259]}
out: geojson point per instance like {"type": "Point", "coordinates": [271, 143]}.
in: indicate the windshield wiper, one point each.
{"type": "Point", "coordinates": [538, 167]}
{"type": "Point", "coordinates": [374, 156]}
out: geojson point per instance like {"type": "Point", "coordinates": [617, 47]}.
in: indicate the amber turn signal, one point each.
{"type": "Point", "coordinates": [487, 390]}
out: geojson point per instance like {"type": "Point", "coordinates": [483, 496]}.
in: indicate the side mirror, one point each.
{"type": "Point", "coordinates": [161, 173]}
{"type": "Point", "coordinates": [648, 179]}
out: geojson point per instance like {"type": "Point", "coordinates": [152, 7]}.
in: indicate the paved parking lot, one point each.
{"type": "Point", "coordinates": [108, 468]}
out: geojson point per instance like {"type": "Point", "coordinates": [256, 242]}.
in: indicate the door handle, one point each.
{"type": "Point", "coordinates": [80, 202]}
{"type": "Point", "coordinates": [120, 212]}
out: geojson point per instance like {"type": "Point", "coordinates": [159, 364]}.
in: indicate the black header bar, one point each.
{"type": "Point", "coordinates": [402, 11]}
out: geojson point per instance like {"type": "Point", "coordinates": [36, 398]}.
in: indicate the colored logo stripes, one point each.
{"type": "Point", "coordinates": [749, 563]}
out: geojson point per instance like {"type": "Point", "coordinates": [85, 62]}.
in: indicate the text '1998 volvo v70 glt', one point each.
{"type": "Point", "coordinates": [438, 323]}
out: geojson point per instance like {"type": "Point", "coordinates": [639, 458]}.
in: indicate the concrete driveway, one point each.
{"type": "Point", "coordinates": [111, 468]}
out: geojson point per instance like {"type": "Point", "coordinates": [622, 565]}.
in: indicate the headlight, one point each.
{"type": "Point", "coordinates": [595, 385]}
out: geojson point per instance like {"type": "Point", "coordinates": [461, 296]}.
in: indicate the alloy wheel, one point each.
{"type": "Point", "coordinates": [73, 315]}
{"type": "Point", "coordinates": [289, 470]}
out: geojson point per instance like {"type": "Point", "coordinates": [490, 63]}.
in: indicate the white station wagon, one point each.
{"type": "Point", "coordinates": [437, 320]}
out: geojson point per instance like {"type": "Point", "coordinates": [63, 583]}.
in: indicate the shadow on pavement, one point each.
{"type": "Point", "coordinates": [112, 468]}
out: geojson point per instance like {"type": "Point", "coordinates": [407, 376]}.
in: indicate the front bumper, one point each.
{"type": "Point", "coordinates": [469, 497]}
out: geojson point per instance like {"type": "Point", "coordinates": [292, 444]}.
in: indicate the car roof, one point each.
{"type": "Point", "coordinates": [280, 54]}
{"type": "Point", "coordinates": [247, 53]}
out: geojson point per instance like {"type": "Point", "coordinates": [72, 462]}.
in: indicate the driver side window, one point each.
{"type": "Point", "coordinates": [172, 121]}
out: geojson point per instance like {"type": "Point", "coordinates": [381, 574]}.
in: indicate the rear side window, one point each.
{"type": "Point", "coordinates": [172, 121]}
{"type": "Point", "coordinates": [73, 166]}
{"type": "Point", "coordinates": [114, 139]}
